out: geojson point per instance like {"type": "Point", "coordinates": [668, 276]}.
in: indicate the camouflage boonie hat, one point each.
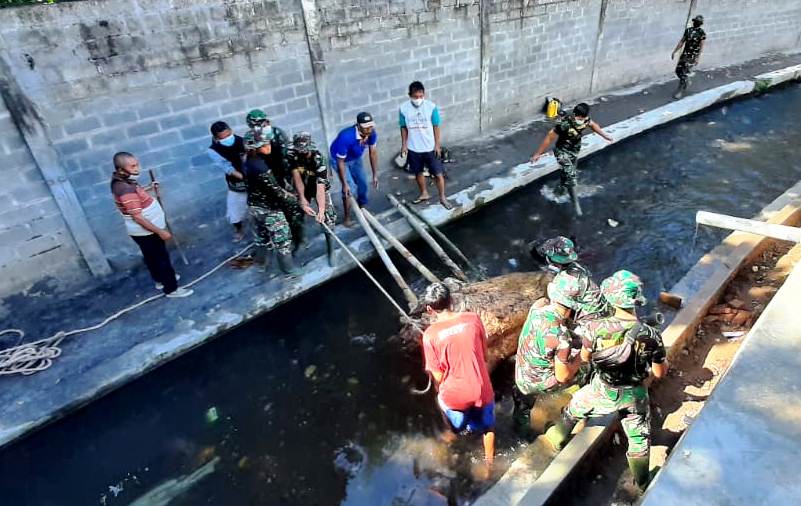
{"type": "Point", "coordinates": [302, 142]}
{"type": "Point", "coordinates": [560, 250]}
{"type": "Point", "coordinates": [623, 289]}
{"type": "Point", "coordinates": [254, 140]}
{"type": "Point", "coordinates": [255, 117]}
{"type": "Point", "coordinates": [565, 290]}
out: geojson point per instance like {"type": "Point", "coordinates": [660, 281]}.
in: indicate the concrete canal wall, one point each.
{"type": "Point", "coordinates": [81, 80]}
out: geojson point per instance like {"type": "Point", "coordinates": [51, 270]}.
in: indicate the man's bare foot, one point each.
{"type": "Point", "coordinates": [348, 223]}
{"type": "Point", "coordinates": [446, 204]}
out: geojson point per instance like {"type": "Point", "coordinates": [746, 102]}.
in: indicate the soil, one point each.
{"type": "Point", "coordinates": [677, 400]}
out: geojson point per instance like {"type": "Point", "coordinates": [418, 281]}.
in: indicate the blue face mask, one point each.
{"type": "Point", "coordinates": [228, 141]}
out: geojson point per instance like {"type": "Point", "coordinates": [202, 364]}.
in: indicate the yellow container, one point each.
{"type": "Point", "coordinates": [553, 108]}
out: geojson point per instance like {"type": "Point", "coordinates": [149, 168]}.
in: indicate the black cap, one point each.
{"type": "Point", "coordinates": [365, 119]}
{"type": "Point", "coordinates": [699, 19]}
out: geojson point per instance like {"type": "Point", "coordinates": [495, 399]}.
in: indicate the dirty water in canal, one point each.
{"type": "Point", "coordinates": [310, 404]}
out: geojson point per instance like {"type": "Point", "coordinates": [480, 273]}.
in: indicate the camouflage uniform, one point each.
{"type": "Point", "coordinates": [581, 293]}
{"type": "Point", "coordinates": [568, 146]}
{"type": "Point", "coordinates": [313, 171]}
{"type": "Point", "coordinates": [621, 391]}
{"type": "Point", "coordinates": [693, 37]}
{"type": "Point", "coordinates": [543, 339]}
{"type": "Point", "coordinates": [270, 205]}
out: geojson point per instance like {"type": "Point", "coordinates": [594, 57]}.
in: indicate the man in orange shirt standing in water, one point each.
{"type": "Point", "coordinates": [454, 347]}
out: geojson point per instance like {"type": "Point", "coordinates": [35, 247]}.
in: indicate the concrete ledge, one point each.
{"type": "Point", "coordinates": [51, 398]}
{"type": "Point", "coordinates": [701, 287]}
{"type": "Point", "coordinates": [777, 77]}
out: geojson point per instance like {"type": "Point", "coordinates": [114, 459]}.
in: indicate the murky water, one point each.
{"type": "Point", "coordinates": [310, 402]}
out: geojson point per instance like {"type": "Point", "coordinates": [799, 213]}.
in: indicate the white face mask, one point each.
{"type": "Point", "coordinates": [134, 177]}
{"type": "Point", "coordinates": [417, 102]}
{"type": "Point", "coordinates": [263, 129]}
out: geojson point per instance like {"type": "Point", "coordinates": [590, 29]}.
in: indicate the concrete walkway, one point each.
{"type": "Point", "coordinates": [95, 363]}
{"type": "Point", "coordinates": [743, 448]}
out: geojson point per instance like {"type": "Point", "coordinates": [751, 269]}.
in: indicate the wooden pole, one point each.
{"type": "Point", "coordinates": [423, 233]}
{"type": "Point", "coordinates": [447, 242]}
{"type": "Point", "coordinates": [417, 264]}
{"type": "Point", "coordinates": [411, 298]}
{"type": "Point", "coordinates": [781, 232]}
{"type": "Point", "coordinates": [158, 198]}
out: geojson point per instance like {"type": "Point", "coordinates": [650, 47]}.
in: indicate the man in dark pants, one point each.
{"type": "Point", "coordinates": [567, 134]}
{"type": "Point", "coordinates": [145, 223]}
{"type": "Point", "coordinates": [693, 43]}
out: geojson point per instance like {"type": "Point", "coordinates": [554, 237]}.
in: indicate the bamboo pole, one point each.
{"type": "Point", "coordinates": [774, 231]}
{"type": "Point", "coordinates": [447, 242]}
{"type": "Point", "coordinates": [158, 198]}
{"type": "Point", "coordinates": [423, 233]}
{"type": "Point", "coordinates": [417, 264]}
{"type": "Point", "coordinates": [411, 298]}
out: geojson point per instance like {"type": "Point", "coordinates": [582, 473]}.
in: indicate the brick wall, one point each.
{"type": "Point", "coordinates": [34, 240]}
{"type": "Point", "coordinates": [149, 76]}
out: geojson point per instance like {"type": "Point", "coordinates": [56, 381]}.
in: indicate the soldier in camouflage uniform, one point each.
{"type": "Point", "coordinates": [693, 42]}
{"type": "Point", "coordinates": [619, 385]}
{"type": "Point", "coordinates": [567, 134]}
{"type": "Point", "coordinates": [547, 354]}
{"type": "Point", "coordinates": [573, 280]}
{"type": "Point", "coordinates": [269, 203]}
{"type": "Point", "coordinates": [310, 176]}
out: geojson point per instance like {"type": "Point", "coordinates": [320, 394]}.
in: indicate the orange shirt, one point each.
{"type": "Point", "coordinates": [455, 348]}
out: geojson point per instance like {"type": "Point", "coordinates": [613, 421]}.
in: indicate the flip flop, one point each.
{"type": "Point", "coordinates": [420, 200]}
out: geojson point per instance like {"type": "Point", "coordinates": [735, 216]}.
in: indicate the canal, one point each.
{"type": "Point", "coordinates": [310, 404]}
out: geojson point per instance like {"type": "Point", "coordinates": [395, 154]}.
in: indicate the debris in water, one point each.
{"type": "Point", "coordinates": [734, 335]}
{"type": "Point", "coordinates": [353, 381]}
{"type": "Point", "coordinates": [211, 415]}
{"type": "Point", "coordinates": [268, 407]}
{"type": "Point", "coordinates": [116, 489]}
{"type": "Point", "coordinates": [405, 379]}
{"type": "Point", "coordinates": [350, 459]}
{"type": "Point", "coordinates": [754, 268]}
{"type": "Point", "coordinates": [513, 263]}
{"type": "Point", "coordinates": [309, 372]}
{"type": "Point", "coordinates": [612, 223]}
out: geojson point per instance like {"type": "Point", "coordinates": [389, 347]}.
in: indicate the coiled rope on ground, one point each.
{"type": "Point", "coordinates": [30, 358]}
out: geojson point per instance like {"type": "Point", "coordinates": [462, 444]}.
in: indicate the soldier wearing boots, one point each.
{"type": "Point", "coordinates": [573, 280]}
{"type": "Point", "coordinates": [691, 44]}
{"type": "Point", "coordinates": [624, 352]}
{"type": "Point", "coordinates": [269, 203]}
{"type": "Point", "coordinates": [310, 176]}
{"type": "Point", "coordinates": [567, 134]}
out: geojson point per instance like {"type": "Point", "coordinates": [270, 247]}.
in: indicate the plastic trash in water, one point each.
{"type": "Point", "coordinates": [612, 223]}
{"type": "Point", "coordinates": [212, 415]}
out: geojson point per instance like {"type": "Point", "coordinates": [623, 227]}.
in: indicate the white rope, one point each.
{"type": "Point", "coordinates": [30, 358]}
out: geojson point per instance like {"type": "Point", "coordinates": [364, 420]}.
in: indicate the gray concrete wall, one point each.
{"type": "Point", "coordinates": [149, 76]}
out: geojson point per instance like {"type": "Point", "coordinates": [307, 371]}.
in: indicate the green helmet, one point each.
{"type": "Point", "coordinates": [256, 117]}
{"type": "Point", "coordinates": [254, 141]}
{"type": "Point", "coordinates": [623, 289]}
{"type": "Point", "coordinates": [565, 290]}
{"type": "Point", "coordinates": [559, 250]}
{"type": "Point", "coordinates": [302, 142]}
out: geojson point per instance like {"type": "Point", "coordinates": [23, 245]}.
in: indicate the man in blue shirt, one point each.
{"type": "Point", "coordinates": [346, 158]}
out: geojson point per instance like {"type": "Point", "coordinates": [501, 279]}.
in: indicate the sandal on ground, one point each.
{"type": "Point", "coordinates": [421, 200]}
{"type": "Point", "coordinates": [446, 204]}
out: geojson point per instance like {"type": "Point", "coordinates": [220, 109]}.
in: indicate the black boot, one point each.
{"type": "Point", "coordinates": [287, 265]}
{"type": "Point", "coordinates": [559, 433]}
{"type": "Point", "coordinates": [299, 237]}
{"type": "Point", "coordinates": [329, 247]}
{"type": "Point", "coordinates": [639, 470]}
{"type": "Point", "coordinates": [574, 198]}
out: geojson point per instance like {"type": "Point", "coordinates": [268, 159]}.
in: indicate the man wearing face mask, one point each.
{"type": "Point", "coordinates": [145, 223]}
{"type": "Point", "coordinates": [346, 159]}
{"type": "Point", "coordinates": [420, 134]}
{"type": "Point", "coordinates": [259, 124]}
{"type": "Point", "coordinates": [567, 134]}
{"type": "Point", "coordinates": [227, 152]}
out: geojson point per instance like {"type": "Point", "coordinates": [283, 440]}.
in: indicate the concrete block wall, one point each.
{"type": "Point", "coordinates": [636, 40]}
{"type": "Point", "coordinates": [34, 240]}
{"type": "Point", "coordinates": [375, 48]}
{"type": "Point", "coordinates": [149, 76]}
{"type": "Point", "coordinates": [536, 49]}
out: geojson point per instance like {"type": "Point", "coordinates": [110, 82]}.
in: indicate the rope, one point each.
{"type": "Point", "coordinates": [30, 358]}
{"type": "Point", "coordinates": [344, 246]}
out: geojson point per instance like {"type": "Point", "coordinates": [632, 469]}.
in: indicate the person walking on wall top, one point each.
{"type": "Point", "coordinates": [227, 152]}
{"type": "Point", "coordinates": [420, 141]}
{"type": "Point", "coordinates": [346, 159]}
{"type": "Point", "coordinates": [567, 134]}
{"type": "Point", "coordinates": [693, 44]}
{"type": "Point", "coordinates": [145, 222]}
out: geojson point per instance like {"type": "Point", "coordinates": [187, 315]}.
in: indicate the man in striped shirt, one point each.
{"type": "Point", "coordinates": [145, 223]}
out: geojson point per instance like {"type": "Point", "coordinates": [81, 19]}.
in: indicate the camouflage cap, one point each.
{"type": "Point", "coordinates": [623, 289]}
{"type": "Point", "coordinates": [255, 117]}
{"type": "Point", "coordinates": [565, 290]}
{"type": "Point", "coordinates": [302, 142]}
{"type": "Point", "coordinates": [560, 250]}
{"type": "Point", "coordinates": [254, 141]}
